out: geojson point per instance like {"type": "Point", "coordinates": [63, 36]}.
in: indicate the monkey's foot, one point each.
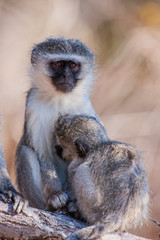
{"type": "Point", "coordinates": [19, 204]}
{"type": "Point", "coordinates": [57, 201]}
{"type": "Point", "coordinates": [71, 207]}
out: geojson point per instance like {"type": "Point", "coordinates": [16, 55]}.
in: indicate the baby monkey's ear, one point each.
{"type": "Point", "coordinates": [82, 149]}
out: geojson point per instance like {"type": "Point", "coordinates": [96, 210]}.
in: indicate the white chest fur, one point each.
{"type": "Point", "coordinates": [42, 116]}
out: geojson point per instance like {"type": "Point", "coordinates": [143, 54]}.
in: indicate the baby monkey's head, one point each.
{"type": "Point", "coordinates": [76, 135]}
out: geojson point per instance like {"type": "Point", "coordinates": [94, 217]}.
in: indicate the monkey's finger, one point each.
{"type": "Point", "coordinates": [5, 198]}
{"type": "Point", "coordinates": [54, 202]}
{"type": "Point", "coordinates": [10, 194]}
{"type": "Point", "coordinates": [58, 201]}
{"type": "Point", "coordinates": [16, 202]}
{"type": "Point", "coordinates": [23, 204]}
{"type": "Point", "coordinates": [63, 198]}
{"type": "Point", "coordinates": [19, 207]}
{"type": "Point", "coordinates": [20, 204]}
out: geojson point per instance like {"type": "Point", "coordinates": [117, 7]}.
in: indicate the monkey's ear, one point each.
{"type": "Point", "coordinates": [82, 149]}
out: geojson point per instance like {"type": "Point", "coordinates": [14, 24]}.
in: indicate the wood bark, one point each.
{"type": "Point", "coordinates": [37, 224]}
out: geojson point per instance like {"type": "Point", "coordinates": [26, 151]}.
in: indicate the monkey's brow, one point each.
{"type": "Point", "coordinates": [63, 57]}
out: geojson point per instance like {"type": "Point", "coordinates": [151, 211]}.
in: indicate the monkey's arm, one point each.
{"type": "Point", "coordinates": [53, 190]}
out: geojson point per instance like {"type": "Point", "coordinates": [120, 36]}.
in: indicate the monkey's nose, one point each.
{"type": "Point", "coordinates": [66, 73]}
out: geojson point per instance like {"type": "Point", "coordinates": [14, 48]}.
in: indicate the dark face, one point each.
{"type": "Point", "coordinates": [64, 74]}
{"type": "Point", "coordinates": [81, 150]}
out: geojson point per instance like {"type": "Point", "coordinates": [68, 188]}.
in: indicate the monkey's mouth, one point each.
{"type": "Point", "coordinates": [64, 87]}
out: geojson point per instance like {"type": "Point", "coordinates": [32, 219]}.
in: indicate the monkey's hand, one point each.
{"type": "Point", "coordinates": [57, 201]}
{"type": "Point", "coordinates": [10, 195]}
{"type": "Point", "coordinates": [56, 197]}
{"type": "Point", "coordinates": [19, 203]}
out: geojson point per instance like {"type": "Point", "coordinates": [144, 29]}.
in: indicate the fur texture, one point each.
{"type": "Point", "coordinates": [8, 194]}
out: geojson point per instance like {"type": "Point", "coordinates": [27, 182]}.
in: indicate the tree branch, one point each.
{"type": "Point", "coordinates": [38, 224]}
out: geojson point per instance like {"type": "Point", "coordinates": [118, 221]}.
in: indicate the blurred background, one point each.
{"type": "Point", "coordinates": [125, 36]}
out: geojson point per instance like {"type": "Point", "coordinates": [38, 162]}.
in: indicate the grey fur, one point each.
{"type": "Point", "coordinates": [40, 173]}
{"type": "Point", "coordinates": [61, 45]}
{"type": "Point", "coordinates": [85, 129]}
{"type": "Point", "coordinates": [8, 193]}
{"type": "Point", "coordinates": [108, 186]}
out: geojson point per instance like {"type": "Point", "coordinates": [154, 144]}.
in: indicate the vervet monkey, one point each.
{"type": "Point", "coordinates": [8, 193]}
{"type": "Point", "coordinates": [106, 179]}
{"type": "Point", "coordinates": [61, 77]}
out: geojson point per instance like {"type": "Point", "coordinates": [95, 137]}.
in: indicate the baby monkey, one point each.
{"type": "Point", "coordinates": [106, 179]}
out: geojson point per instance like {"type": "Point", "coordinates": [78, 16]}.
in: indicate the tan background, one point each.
{"type": "Point", "coordinates": [125, 36]}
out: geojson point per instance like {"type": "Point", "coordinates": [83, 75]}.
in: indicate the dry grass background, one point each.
{"type": "Point", "coordinates": [125, 36]}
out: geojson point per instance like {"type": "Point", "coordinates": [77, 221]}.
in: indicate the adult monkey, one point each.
{"type": "Point", "coordinates": [61, 77]}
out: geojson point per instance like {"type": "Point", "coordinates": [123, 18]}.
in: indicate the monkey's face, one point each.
{"type": "Point", "coordinates": [77, 135]}
{"type": "Point", "coordinates": [64, 74]}
{"type": "Point", "coordinates": [69, 152]}
{"type": "Point", "coordinates": [62, 65]}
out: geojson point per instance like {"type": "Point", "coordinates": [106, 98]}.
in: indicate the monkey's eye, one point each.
{"type": "Point", "coordinates": [59, 64]}
{"type": "Point", "coordinates": [82, 149]}
{"type": "Point", "coordinates": [72, 64]}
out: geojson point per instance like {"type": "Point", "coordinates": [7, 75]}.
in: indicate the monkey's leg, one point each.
{"type": "Point", "coordinates": [53, 190]}
{"type": "Point", "coordinates": [28, 177]}
{"type": "Point", "coordinates": [37, 181]}
{"type": "Point", "coordinates": [88, 195]}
